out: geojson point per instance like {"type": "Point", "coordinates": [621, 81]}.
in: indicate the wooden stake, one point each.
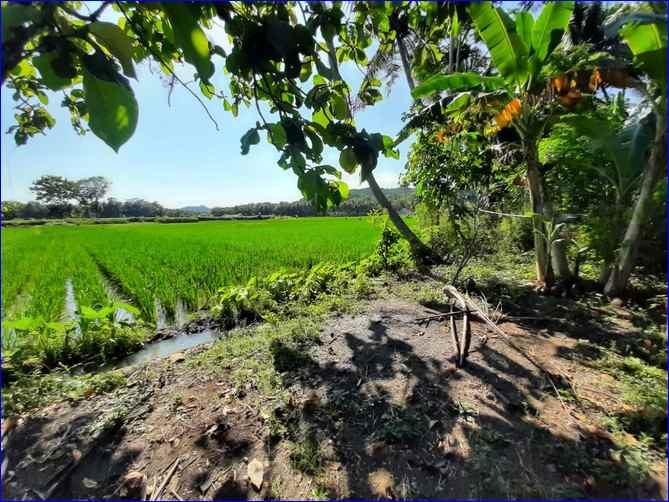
{"type": "Point", "coordinates": [154, 496]}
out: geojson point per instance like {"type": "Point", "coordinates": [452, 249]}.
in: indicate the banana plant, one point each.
{"type": "Point", "coordinates": [645, 33]}
{"type": "Point", "coordinates": [519, 94]}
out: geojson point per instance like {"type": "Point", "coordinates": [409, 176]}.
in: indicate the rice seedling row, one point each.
{"type": "Point", "coordinates": [153, 261]}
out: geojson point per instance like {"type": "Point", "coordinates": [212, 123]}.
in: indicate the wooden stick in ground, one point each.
{"type": "Point", "coordinates": [456, 341]}
{"type": "Point", "coordinates": [451, 291]}
{"type": "Point", "coordinates": [169, 475]}
{"type": "Point", "coordinates": [467, 336]}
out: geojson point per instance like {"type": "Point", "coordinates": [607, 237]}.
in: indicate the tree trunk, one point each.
{"type": "Point", "coordinates": [404, 57]}
{"type": "Point", "coordinates": [624, 262]}
{"type": "Point", "coordinates": [535, 183]}
{"type": "Point", "coordinates": [559, 261]}
{"type": "Point", "coordinates": [417, 246]}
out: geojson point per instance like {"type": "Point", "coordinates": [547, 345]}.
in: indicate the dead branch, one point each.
{"type": "Point", "coordinates": [467, 335]}
{"type": "Point", "coordinates": [159, 491]}
{"type": "Point", "coordinates": [456, 340]}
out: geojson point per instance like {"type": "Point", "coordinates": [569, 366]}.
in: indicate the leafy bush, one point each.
{"type": "Point", "coordinates": [95, 337]}
{"type": "Point", "coordinates": [242, 303]}
{"type": "Point", "coordinates": [393, 254]}
{"type": "Point", "coordinates": [259, 298]}
{"type": "Point", "coordinates": [515, 234]}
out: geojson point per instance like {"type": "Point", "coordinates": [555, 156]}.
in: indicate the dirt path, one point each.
{"type": "Point", "coordinates": [375, 410]}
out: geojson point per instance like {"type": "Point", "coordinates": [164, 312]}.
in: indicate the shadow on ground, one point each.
{"type": "Point", "coordinates": [386, 414]}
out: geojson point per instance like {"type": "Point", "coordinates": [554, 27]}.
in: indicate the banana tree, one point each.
{"type": "Point", "coordinates": [646, 35]}
{"type": "Point", "coordinates": [626, 147]}
{"type": "Point", "coordinates": [523, 95]}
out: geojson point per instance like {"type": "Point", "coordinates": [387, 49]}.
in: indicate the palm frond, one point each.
{"type": "Point", "coordinates": [383, 66]}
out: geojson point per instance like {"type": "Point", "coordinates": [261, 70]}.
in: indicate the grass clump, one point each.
{"type": "Point", "coordinates": [249, 353]}
{"type": "Point", "coordinates": [403, 427]}
{"type": "Point", "coordinates": [29, 391]}
{"type": "Point", "coordinates": [645, 392]}
{"type": "Point", "coordinates": [307, 455]}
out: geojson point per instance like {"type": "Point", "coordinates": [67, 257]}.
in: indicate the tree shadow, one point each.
{"type": "Point", "coordinates": [394, 422]}
{"type": "Point", "coordinates": [62, 464]}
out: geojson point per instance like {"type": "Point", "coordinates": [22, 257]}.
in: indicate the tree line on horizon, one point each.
{"type": "Point", "coordinates": [58, 197]}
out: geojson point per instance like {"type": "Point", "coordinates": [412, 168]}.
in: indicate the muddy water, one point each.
{"type": "Point", "coordinates": [164, 348]}
{"type": "Point", "coordinates": [154, 350]}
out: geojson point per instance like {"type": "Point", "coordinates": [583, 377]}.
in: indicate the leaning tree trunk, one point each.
{"type": "Point", "coordinates": [624, 262]}
{"type": "Point", "coordinates": [417, 246]}
{"type": "Point", "coordinates": [537, 198]}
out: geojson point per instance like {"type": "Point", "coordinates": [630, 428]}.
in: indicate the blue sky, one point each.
{"type": "Point", "coordinates": [176, 156]}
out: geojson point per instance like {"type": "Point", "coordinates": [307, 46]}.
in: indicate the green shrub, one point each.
{"type": "Point", "coordinates": [393, 254]}
{"type": "Point", "coordinates": [95, 337]}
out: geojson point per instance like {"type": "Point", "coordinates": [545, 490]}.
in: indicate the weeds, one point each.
{"type": "Point", "coordinates": [31, 345]}
{"type": "Point", "coordinates": [645, 392]}
{"type": "Point", "coordinates": [307, 456]}
{"type": "Point", "coordinates": [29, 391]}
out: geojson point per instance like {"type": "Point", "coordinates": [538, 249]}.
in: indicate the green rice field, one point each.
{"type": "Point", "coordinates": [145, 262]}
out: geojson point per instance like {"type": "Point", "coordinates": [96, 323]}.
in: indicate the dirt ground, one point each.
{"type": "Point", "coordinates": [377, 410]}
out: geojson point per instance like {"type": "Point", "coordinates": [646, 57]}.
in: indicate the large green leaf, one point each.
{"type": "Point", "coordinates": [457, 82]}
{"type": "Point", "coordinates": [348, 160]}
{"type": "Point", "coordinates": [117, 42]}
{"type": "Point", "coordinates": [190, 38]}
{"type": "Point", "coordinates": [524, 25]}
{"type": "Point", "coordinates": [639, 17]}
{"type": "Point", "coordinates": [112, 109]}
{"type": "Point", "coordinates": [497, 31]}
{"type": "Point", "coordinates": [550, 26]}
{"type": "Point", "coordinates": [648, 43]}
{"type": "Point", "coordinates": [636, 139]}
{"type": "Point", "coordinates": [50, 78]}
{"type": "Point", "coordinates": [14, 15]}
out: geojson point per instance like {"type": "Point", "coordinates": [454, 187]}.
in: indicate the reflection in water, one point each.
{"type": "Point", "coordinates": [170, 346]}
{"type": "Point", "coordinates": [70, 302]}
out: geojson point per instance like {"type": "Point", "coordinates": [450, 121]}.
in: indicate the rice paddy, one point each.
{"type": "Point", "coordinates": [145, 263]}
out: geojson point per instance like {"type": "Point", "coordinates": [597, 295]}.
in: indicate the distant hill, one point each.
{"type": "Point", "coordinates": [194, 209]}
